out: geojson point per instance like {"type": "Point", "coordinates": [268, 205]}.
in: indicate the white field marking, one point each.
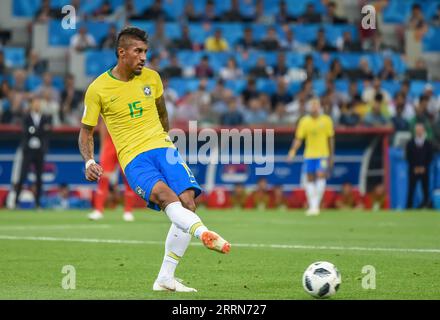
{"type": "Point", "coordinates": [242, 245]}
{"type": "Point", "coordinates": [54, 227]}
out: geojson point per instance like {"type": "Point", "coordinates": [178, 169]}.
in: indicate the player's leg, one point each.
{"type": "Point", "coordinates": [128, 201]}
{"type": "Point", "coordinates": [321, 178]}
{"type": "Point", "coordinates": [311, 190]}
{"type": "Point", "coordinates": [25, 164]}
{"type": "Point", "coordinates": [39, 166]}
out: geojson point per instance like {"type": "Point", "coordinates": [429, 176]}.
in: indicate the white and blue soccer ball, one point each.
{"type": "Point", "coordinates": [321, 279]}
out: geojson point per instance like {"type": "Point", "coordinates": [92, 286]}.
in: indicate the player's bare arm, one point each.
{"type": "Point", "coordinates": [163, 114]}
{"type": "Point", "coordinates": [86, 146]}
{"type": "Point", "coordinates": [294, 148]}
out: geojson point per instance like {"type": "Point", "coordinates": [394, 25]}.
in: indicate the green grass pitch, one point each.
{"type": "Point", "coordinates": [114, 259]}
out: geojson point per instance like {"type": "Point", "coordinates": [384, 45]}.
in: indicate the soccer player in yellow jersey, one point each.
{"type": "Point", "coordinates": [129, 97]}
{"type": "Point", "coordinates": [317, 131]}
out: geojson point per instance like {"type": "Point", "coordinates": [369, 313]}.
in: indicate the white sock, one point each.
{"type": "Point", "coordinates": [320, 189]}
{"type": "Point", "coordinates": [311, 194]}
{"type": "Point", "coordinates": [175, 246]}
{"type": "Point", "coordinates": [185, 219]}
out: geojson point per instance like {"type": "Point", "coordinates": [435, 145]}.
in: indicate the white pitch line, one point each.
{"type": "Point", "coordinates": [242, 245]}
{"type": "Point", "coordinates": [54, 227]}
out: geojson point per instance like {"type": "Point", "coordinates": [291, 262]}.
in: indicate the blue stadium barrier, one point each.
{"type": "Point", "coordinates": [98, 61]}
{"type": "Point", "coordinates": [15, 57]}
{"type": "Point", "coordinates": [25, 8]}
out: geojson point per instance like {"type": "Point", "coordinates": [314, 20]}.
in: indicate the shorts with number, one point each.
{"type": "Point", "coordinates": [315, 165]}
{"type": "Point", "coordinates": [161, 164]}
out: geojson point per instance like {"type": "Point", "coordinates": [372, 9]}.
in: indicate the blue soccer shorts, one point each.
{"type": "Point", "coordinates": [315, 165]}
{"type": "Point", "coordinates": [161, 164]}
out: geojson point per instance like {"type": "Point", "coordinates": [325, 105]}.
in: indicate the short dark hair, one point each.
{"type": "Point", "coordinates": [130, 32]}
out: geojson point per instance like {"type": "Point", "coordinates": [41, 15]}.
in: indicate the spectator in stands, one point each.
{"type": "Point", "coordinates": [376, 117]}
{"type": "Point", "coordinates": [349, 117]}
{"type": "Point", "coordinates": [233, 116]}
{"type": "Point", "coordinates": [154, 62]}
{"type": "Point", "coordinates": [435, 20]}
{"type": "Point", "coordinates": [363, 72]}
{"type": "Point", "coordinates": [247, 42]}
{"type": "Point", "coordinates": [377, 199]}
{"type": "Point", "coordinates": [354, 96]}
{"type": "Point", "coordinates": [124, 13]}
{"type": "Point", "coordinates": [260, 198]}
{"type": "Point", "coordinates": [348, 198]}
{"type": "Point", "coordinates": [203, 69]}
{"type": "Point", "coordinates": [159, 40]}
{"type": "Point", "coordinates": [155, 11]}
{"type": "Point", "coordinates": [250, 91]}
{"type": "Point", "coordinates": [259, 15]}
{"type": "Point", "coordinates": [310, 15]}
{"type": "Point", "coordinates": [209, 13]}
{"type": "Point", "coordinates": [321, 44]}
{"type": "Point", "coordinates": [261, 69]}
{"type": "Point", "coordinates": [347, 44]}
{"type": "Point", "coordinates": [298, 107]}
{"type": "Point", "coordinates": [371, 89]}
{"type": "Point", "coordinates": [4, 69]}
{"type": "Point", "coordinates": [265, 102]}
{"type": "Point", "coordinates": [282, 16]}
{"type": "Point", "coordinates": [183, 42]}
{"type": "Point", "coordinates": [416, 19]}
{"type": "Point", "coordinates": [255, 113]}
{"type": "Point", "coordinates": [279, 116]}
{"type": "Point", "coordinates": [171, 98]}
{"type": "Point", "coordinates": [50, 106]}
{"type": "Point", "coordinates": [109, 41]}
{"type": "Point", "coordinates": [422, 116]}
{"type": "Point", "coordinates": [231, 71]}
{"type": "Point", "coordinates": [433, 101]}
{"type": "Point", "coordinates": [289, 43]}
{"type": "Point", "coordinates": [104, 11]}
{"type": "Point", "coordinates": [18, 96]}
{"type": "Point", "coordinates": [47, 85]}
{"type": "Point", "coordinates": [217, 42]}
{"type": "Point", "coordinates": [270, 42]}
{"type": "Point", "coordinates": [398, 120]}
{"type": "Point", "coordinates": [239, 196]}
{"type": "Point", "coordinates": [388, 72]}
{"type": "Point", "coordinates": [309, 67]}
{"type": "Point", "coordinates": [35, 65]}
{"type": "Point", "coordinates": [329, 107]}
{"type": "Point", "coordinates": [281, 68]}
{"type": "Point", "coordinates": [336, 70]}
{"type": "Point", "coordinates": [189, 13]}
{"type": "Point", "coordinates": [5, 102]}
{"type": "Point", "coordinates": [419, 71]}
{"type": "Point", "coordinates": [220, 92]}
{"type": "Point", "coordinates": [278, 200]}
{"type": "Point", "coordinates": [233, 14]}
{"type": "Point", "coordinates": [187, 109]}
{"type": "Point", "coordinates": [207, 116]}
{"type": "Point", "coordinates": [82, 40]}
{"type": "Point", "coordinates": [70, 101]}
{"type": "Point", "coordinates": [331, 16]}
{"type": "Point", "coordinates": [173, 70]}
{"type": "Point", "coordinates": [46, 12]}
{"type": "Point", "coordinates": [63, 199]}
{"type": "Point", "coordinates": [419, 154]}
{"type": "Point", "coordinates": [281, 94]}
{"type": "Point", "coordinates": [401, 103]}
{"type": "Point", "coordinates": [375, 43]}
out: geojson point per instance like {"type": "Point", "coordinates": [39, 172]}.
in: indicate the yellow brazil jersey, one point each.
{"type": "Point", "coordinates": [315, 132]}
{"type": "Point", "coordinates": [129, 111]}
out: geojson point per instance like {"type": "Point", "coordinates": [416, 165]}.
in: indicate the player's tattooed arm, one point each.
{"type": "Point", "coordinates": [85, 142]}
{"type": "Point", "coordinates": [163, 114]}
{"type": "Point", "coordinates": [86, 147]}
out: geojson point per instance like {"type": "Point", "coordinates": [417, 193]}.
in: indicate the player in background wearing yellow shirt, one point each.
{"type": "Point", "coordinates": [129, 97]}
{"type": "Point", "coordinates": [317, 131]}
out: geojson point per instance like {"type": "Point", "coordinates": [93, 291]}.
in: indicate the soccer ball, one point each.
{"type": "Point", "coordinates": [321, 279]}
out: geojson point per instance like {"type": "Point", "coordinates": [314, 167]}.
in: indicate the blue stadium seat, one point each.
{"type": "Point", "coordinates": [87, 6]}
{"type": "Point", "coordinates": [25, 8]}
{"type": "Point", "coordinates": [232, 32]}
{"type": "Point", "coordinates": [319, 86]}
{"type": "Point", "coordinates": [431, 40]}
{"type": "Point", "coordinates": [98, 61]}
{"type": "Point", "coordinates": [306, 33]}
{"type": "Point", "coordinates": [342, 85]}
{"type": "Point", "coordinates": [377, 62]}
{"type": "Point", "coordinates": [294, 87]}
{"type": "Point", "coordinates": [15, 57]}
{"type": "Point", "coordinates": [416, 88]}
{"type": "Point", "coordinates": [34, 81]}
{"type": "Point", "coordinates": [117, 3]}
{"type": "Point", "coordinates": [397, 11]}
{"type": "Point", "coordinates": [237, 85]}
{"type": "Point", "coordinates": [198, 33]}
{"type": "Point", "coordinates": [174, 8]}
{"type": "Point", "coordinates": [266, 86]}
{"type": "Point", "coordinates": [295, 60]}
{"type": "Point", "coordinates": [392, 87]}
{"type": "Point", "coordinates": [297, 8]}
{"type": "Point", "coordinates": [219, 5]}
{"type": "Point", "coordinates": [333, 32]}
{"type": "Point", "coordinates": [147, 26]}
{"type": "Point", "coordinates": [141, 5]}
{"type": "Point", "coordinates": [61, 37]}
{"type": "Point", "coordinates": [271, 6]}
{"type": "Point", "coordinates": [179, 85]}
